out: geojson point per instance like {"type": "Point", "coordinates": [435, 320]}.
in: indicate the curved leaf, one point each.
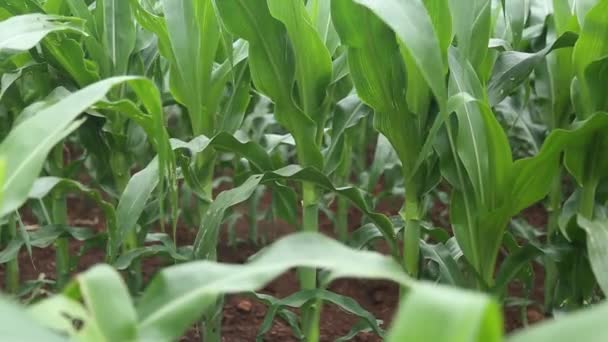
{"type": "Point", "coordinates": [170, 304]}
{"type": "Point", "coordinates": [23, 32]}
{"type": "Point", "coordinates": [465, 317]}
{"type": "Point", "coordinates": [51, 125]}
{"type": "Point", "coordinates": [207, 238]}
{"type": "Point", "coordinates": [301, 298]}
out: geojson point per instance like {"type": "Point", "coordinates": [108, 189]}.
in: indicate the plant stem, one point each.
{"type": "Point", "coordinates": [411, 214]}
{"type": "Point", "coordinates": [12, 267]}
{"type": "Point", "coordinates": [253, 218]}
{"type": "Point", "coordinates": [308, 276]}
{"type": "Point", "coordinates": [121, 173]}
{"type": "Point", "coordinates": [59, 214]}
{"type": "Point", "coordinates": [555, 199]}
{"type": "Point", "coordinates": [411, 246]}
{"type": "Point", "coordinates": [211, 324]}
{"type": "Point", "coordinates": [342, 219]}
{"type": "Point", "coordinates": [587, 204]}
{"type": "Point", "coordinates": [343, 205]}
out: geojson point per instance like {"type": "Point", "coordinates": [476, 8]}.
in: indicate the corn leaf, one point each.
{"type": "Point", "coordinates": [21, 33]}
{"type": "Point", "coordinates": [20, 326]}
{"type": "Point", "coordinates": [467, 317]}
{"type": "Point", "coordinates": [117, 28]}
{"type": "Point", "coordinates": [51, 124]}
{"type": "Point", "coordinates": [169, 306]}
{"type": "Point", "coordinates": [107, 298]}
{"type": "Point", "coordinates": [591, 48]}
{"type": "Point", "coordinates": [583, 325]}
{"type": "Point", "coordinates": [273, 69]}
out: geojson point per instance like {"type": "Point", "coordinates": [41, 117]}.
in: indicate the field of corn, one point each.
{"type": "Point", "coordinates": [316, 170]}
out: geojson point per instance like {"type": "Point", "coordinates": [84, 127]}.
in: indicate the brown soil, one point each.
{"type": "Point", "coordinates": [242, 314]}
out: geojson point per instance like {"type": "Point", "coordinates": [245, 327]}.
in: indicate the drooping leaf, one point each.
{"type": "Point", "coordinates": [467, 317]}
{"type": "Point", "coordinates": [23, 32]}
{"type": "Point", "coordinates": [169, 305]}
{"type": "Point", "coordinates": [107, 298]}
{"type": "Point", "coordinates": [20, 326]}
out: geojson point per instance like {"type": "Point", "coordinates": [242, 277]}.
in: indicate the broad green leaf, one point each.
{"type": "Point", "coordinates": [273, 69]}
{"type": "Point", "coordinates": [517, 12]}
{"type": "Point", "coordinates": [171, 304]}
{"type": "Point", "coordinates": [68, 55]}
{"type": "Point", "coordinates": [584, 325]}
{"type": "Point", "coordinates": [512, 68]}
{"type": "Point", "coordinates": [597, 243]}
{"type": "Point", "coordinates": [107, 299]}
{"type": "Point", "coordinates": [80, 9]}
{"type": "Point", "coordinates": [18, 325]}
{"type": "Point", "coordinates": [592, 47]}
{"type": "Point", "coordinates": [60, 314]}
{"type": "Point", "coordinates": [450, 272]}
{"type": "Point", "coordinates": [313, 61]}
{"type": "Point", "coordinates": [194, 34]}
{"type": "Point", "coordinates": [472, 145]}
{"type": "Point", "coordinates": [133, 200]}
{"type": "Point", "coordinates": [512, 266]}
{"type": "Point", "coordinates": [347, 114]}
{"type": "Point", "coordinates": [582, 8]}
{"type": "Point", "coordinates": [51, 125]}
{"type": "Point", "coordinates": [320, 15]}
{"type": "Point", "coordinates": [117, 28]}
{"type": "Point", "coordinates": [23, 32]}
{"type": "Point", "coordinates": [411, 23]}
{"type": "Point", "coordinates": [472, 27]}
{"type": "Point", "coordinates": [465, 316]}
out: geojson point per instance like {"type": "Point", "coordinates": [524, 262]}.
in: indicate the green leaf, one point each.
{"type": "Point", "coordinates": [591, 47]}
{"type": "Point", "coordinates": [194, 36]}
{"type": "Point", "coordinates": [450, 272]}
{"type": "Point", "coordinates": [207, 239]}
{"type": "Point", "coordinates": [411, 23]}
{"type": "Point", "coordinates": [51, 125]}
{"type": "Point", "coordinates": [583, 325]}
{"type": "Point", "coordinates": [582, 8]}
{"type": "Point", "coordinates": [298, 299]}
{"type": "Point", "coordinates": [512, 68]}
{"type": "Point", "coordinates": [273, 69]}
{"type": "Point", "coordinates": [465, 316]}
{"type": "Point", "coordinates": [473, 27]}
{"type": "Point", "coordinates": [516, 12]}
{"type": "Point", "coordinates": [313, 69]}
{"type": "Point", "coordinates": [117, 28]}
{"type": "Point", "coordinates": [107, 299]}
{"type": "Point", "coordinates": [597, 245]}
{"type": "Point", "coordinates": [133, 200]}
{"type": "Point", "coordinates": [23, 32]}
{"type": "Point", "coordinates": [68, 55]}
{"type": "Point", "coordinates": [166, 246]}
{"type": "Point", "coordinates": [171, 304]}
{"type": "Point", "coordinates": [64, 315]}
{"type": "Point", "coordinates": [18, 325]}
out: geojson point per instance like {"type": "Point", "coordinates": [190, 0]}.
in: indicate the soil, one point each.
{"type": "Point", "coordinates": [243, 315]}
